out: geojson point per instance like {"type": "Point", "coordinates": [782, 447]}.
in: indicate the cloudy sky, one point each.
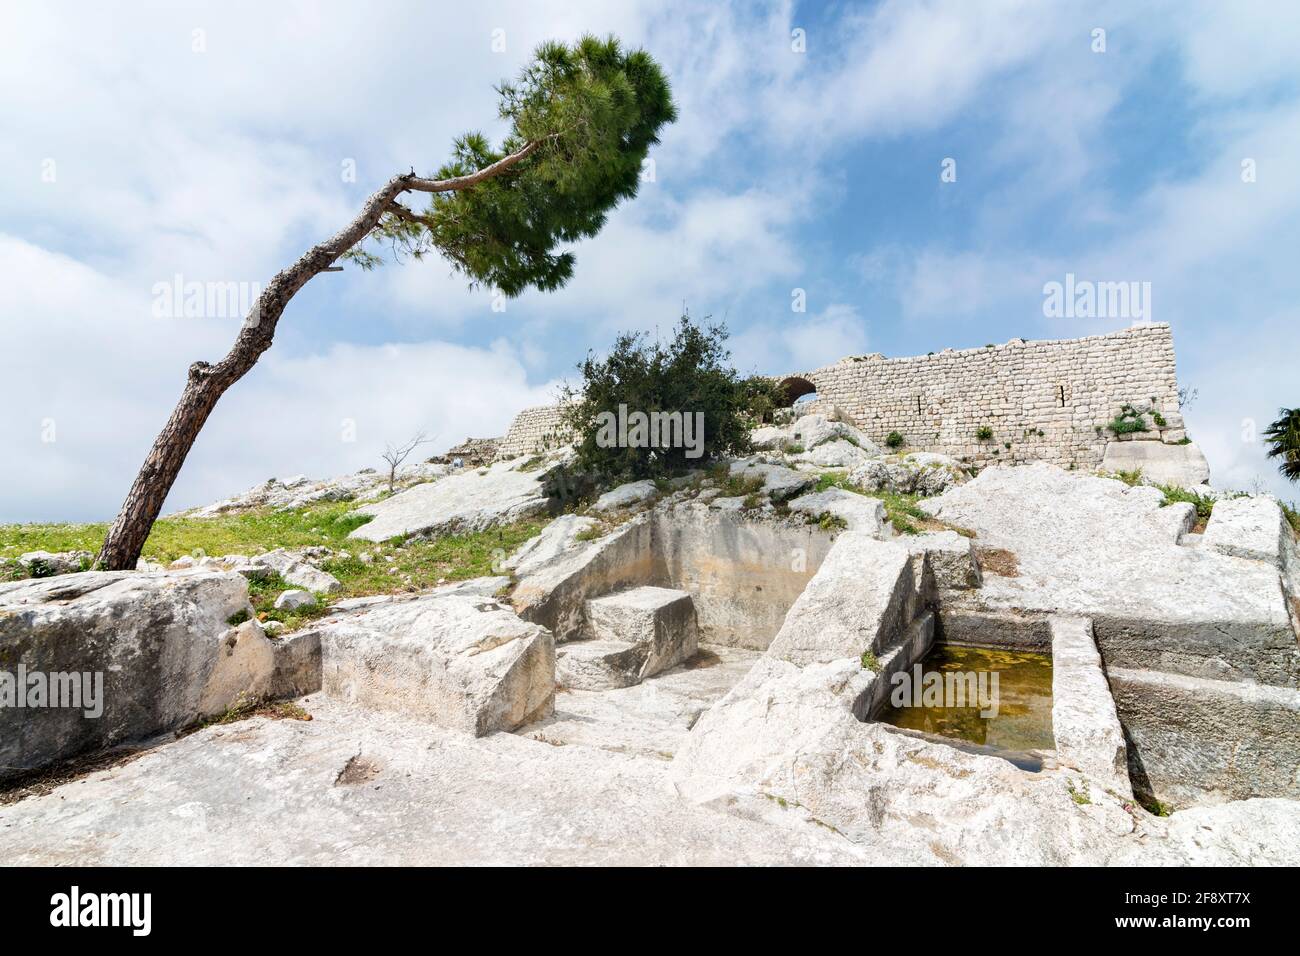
{"type": "Point", "coordinates": [141, 143]}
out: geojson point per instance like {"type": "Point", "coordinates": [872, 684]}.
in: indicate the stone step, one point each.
{"type": "Point", "coordinates": [660, 622]}
{"type": "Point", "coordinates": [599, 664]}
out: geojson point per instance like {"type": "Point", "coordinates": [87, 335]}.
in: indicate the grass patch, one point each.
{"type": "Point", "coordinates": [1080, 797]}
{"type": "Point", "coordinates": [870, 661]}
{"type": "Point", "coordinates": [246, 707]}
{"type": "Point", "coordinates": [247, 533]}
{"type": "Point", "coordinates": [829, 522]}
{"type": "Point", "coordinates": [1130, 478]}
{"type": "Point", "coordinates": [532, 464]}
{"type": "Point", "coordinates": [901, 509]}
{"type": "Point", "coordinates": [414, 565]}
{"type": "Point", "coordinates": [740, 486]}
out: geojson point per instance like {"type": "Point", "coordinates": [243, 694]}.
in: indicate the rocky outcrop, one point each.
{"type": "Point", "coordinates": [101, 658]}
{"type": "Point", "coordinates": [635, 634]}
{"type": "Point", "coordinates": [859, 598]}
{"type": "Point", "coordinates": [299, 491]}
{"type": "Point", "coordinates": [858, 512]}
{"type": "Point", "coordinates": [775, 481]}
{"type": "Point", "coordinates": [1085, 725]}
{"type": "Point", "coordinates": [1163, 464]}
{"type": "Point", "coordinates": [469, 501]}
{"type": "Point", "coordinates": [459, 661]}
{"type": "Point", "coordinates": [626, 496]}
{"type": "Point", "coordinates": [920, 473]}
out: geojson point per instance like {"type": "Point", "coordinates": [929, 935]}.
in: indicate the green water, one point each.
{"type": "Point", "coordinates": [1023, 721]}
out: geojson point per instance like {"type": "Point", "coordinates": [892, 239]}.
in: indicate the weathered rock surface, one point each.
{"type": "Point", "coordinates": [626, 496]}
{"type": "Point", "coordinates": [858, 512]}
{"type": "Point", "coordinates": [652, 718]}
{"type": "Point", "coordinates": [951, 556]}
{"type": "Point", "coordinates": [459, 661]}
{"type": "Point", "coordinates": [43, 564]}
{"type": "Point", "coordinates": [1094, 547]}
{"type": "Point", "coordinates": [293, 568]}
{"type": "Point", "coordinates": [1253, 528]}
{"type": "Point", "coordinates": [920, 473]}
{"type": "Point", "coordinates": [299, 491]}
{"type": "Point", "coordinates": [559, 537]}
{"type": "Point", "coordinates": [467, 501]}
{"type": "Point", "coordinates": [779, 482]}
{"type": "Point", "coordinates": [836, 453]}
{"type": "Point", "coordinates": [1204, 741]}
{"type": "Point", "coordinates": [657, 625]}
{"type": "Point", "coordinates": [159, 646]}
{"type": "Point", "coordinates": [1086, 727]}
{"type": "Point", "coordinates": [1182, 465]}
{"type": "Point", "coordinates": [293, 600]}
{"type": "Point", "coordinates": [857, 601]}
{"type": "Point", "coordinates": [275, 791]}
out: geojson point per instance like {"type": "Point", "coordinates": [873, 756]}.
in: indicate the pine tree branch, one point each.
{"type": "Point", "coordinates": [420, 184]}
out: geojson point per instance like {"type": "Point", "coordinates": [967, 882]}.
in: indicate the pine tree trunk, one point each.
{"type": "Point", "coordinates": [207, 383]}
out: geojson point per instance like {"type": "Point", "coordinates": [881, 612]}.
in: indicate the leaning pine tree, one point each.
{"type": "Point", "coordinates": [582, 120]}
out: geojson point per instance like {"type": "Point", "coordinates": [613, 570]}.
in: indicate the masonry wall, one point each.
{"type": "Point", "coordinates": [1050, 400]}
{"type": "Point", "coordinates": [532, 430]}
{"type": "Point", "coordinates": [1067, 390]}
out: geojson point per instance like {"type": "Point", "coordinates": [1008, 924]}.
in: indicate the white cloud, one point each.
{"type": "Point", "coordinates": [90, 361]}
{"type": "Point", "coordinates": [801, 343]}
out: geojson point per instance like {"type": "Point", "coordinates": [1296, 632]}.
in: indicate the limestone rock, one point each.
{"type": "Point", "coordinates": [462, 502]}
{"type": "Point", "coordinates": [920, 473]}
{"type": "Point", "coordinates": [1094, 547]}
{"type": "Point", "coordinates": [1182, 465]}
{"type": "Point", "coordinates": [859, 512]}
{"type": "Point", "coordinates": [779, 482]}
{"type": "Point", "coordinates": [836, 453]}
{"type": "Point", "coordinates": [816, 429]}
{"type": "Point", "coordinates": [160, 644]}
{"type": "Point", "coordinates": [299, 491]}
{"type": "Point", "coordinates": [294, 599]}
{"type": "Point", "coordinates": [458, 661]}
{"type": "Point", "coordinates": [856, 601]}
{"type": "Point", "coordinates": [44, 564]}
{"type": "Point", "coordinates": [659, 624]}
{"type": "Point", "coordinates": [1086, 727]}
{"type": "Point", "coordinates": [626, 496]}
{"type": "Point", "coordinates": [557, 538]}
{"type": "Point", "coordinates": [951, 556]}
{"type": "Point", "coordinates": [1250, 527]}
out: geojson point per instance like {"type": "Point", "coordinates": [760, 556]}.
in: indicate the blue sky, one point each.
{"type": "Point", "coordinates": [208, 141]}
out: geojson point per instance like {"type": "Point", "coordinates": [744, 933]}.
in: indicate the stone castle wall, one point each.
{"type": "Point", "coordinates": [533, 430]}
{"type": "Point", "coordinates": [1049, 400]}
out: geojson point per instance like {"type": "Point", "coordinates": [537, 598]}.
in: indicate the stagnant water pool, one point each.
{"type": "Point", "coordinates": [1020, 718]}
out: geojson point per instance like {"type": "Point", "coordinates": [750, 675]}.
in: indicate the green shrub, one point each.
{"type": "Point", "coordinates": [1128, 421]}
{"type": "Point", "coordinates": [984, 433]}
{"type": "Point", "coordinates": [895, 440]}
{"type": "Point", "coordinates": [687, 375]}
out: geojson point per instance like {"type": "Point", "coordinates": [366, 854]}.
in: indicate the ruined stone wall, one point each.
{"type": "Point", "coordinates": [1049, 400]}
{"type": "Point", "coordinates": [533, 430]}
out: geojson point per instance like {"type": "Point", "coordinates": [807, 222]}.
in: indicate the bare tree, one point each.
{"type": "Point", "coordinates": [396, 454]}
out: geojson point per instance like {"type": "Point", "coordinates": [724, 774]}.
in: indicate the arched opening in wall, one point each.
{"type": "Point", "coordinates": [796, 389]}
